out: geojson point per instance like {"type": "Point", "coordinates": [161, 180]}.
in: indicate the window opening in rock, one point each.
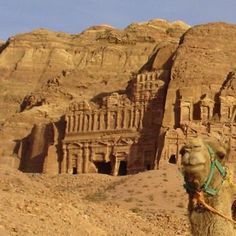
{"type": "Point", "coordinates": [148, 167]}
{"type": "Point", "coordinates": [123, 168]}
{"type": "Point", "coordinates": [103, 167]}
{"type": "Point", "coordinates": [172, 159]}
{"type": "Point", "coordinates": [75, 172]}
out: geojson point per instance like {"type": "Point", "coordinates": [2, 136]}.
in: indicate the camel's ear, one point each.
{"type": "Point", "coordinates": [220, 147]}
{"type": "Point", "coordinates": [221, 154]}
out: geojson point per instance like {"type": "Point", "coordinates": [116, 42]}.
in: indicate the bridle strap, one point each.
{"type": "Point", "coordinates": [199, 198]}
{"type": "Point", "coordinates": [214, 164]}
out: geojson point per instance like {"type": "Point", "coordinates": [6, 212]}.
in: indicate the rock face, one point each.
{"type": "Point", "coordinates": [100, 55]}
{"type": "Point", "coordinates": [201, 93]}
{"type": "Point", "coordinates": [181, 86]}
{"type": "Point", "coordinates": [86, 121]}
{"type": "Point", "coordinates": [42, 72]}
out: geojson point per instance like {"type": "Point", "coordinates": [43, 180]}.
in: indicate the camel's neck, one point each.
{"type": "Point", "coordinates": [204, 222]}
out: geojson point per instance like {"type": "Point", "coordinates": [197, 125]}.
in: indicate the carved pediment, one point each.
{"type": "Point", "coordinates": [82, 106]}
{"type": "Point", "coordinates": [74, 145]}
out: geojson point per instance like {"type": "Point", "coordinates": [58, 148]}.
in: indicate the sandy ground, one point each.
{"type": "Point", "coordinates": [149, 203]}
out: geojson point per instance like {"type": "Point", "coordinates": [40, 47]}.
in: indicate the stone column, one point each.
{"type": "Point", "coordinates": [75, 123]}
{"type": "Point", "coordinates": [141, 117]}
{"type": "Point", "coordinates": [71, 123]}
{"type": "Point", "coordinates": [107, 122]}
{"type": "Point", "coordinates": [101, 121]}
{"type": "Point", "coordinates": [67, 124]}
{"type": "Point", "coordinates": [80, 122]}
{"type": "Point", "coordinates": [124, 122]}
{"type": "Point", "coordinates": [95, 119]}
{"type": "Point", "coordinates": [85, 158]}
{"type": "Point", "coordinates": [115, 167]}
{"type": "Point", "coordinates": [90, 122]}
{"type": "Point", "coordinates": [69, 163]}
{"type": "Point", "coordinates": [79, 158]}
{"type": "Point", "coordinates": [136, 118]}
{"type": "Point", "coordinates": [131, 117]}
{"type": "Point", "coordinates": [64, 160]}
{"type": "Point", "coordinates": [118, 119]}
{"type": "Point", "coordinates": [85, 122]}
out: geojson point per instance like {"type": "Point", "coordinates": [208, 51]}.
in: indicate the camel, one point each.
{"type": "Point", "coordinates": [198, 157]}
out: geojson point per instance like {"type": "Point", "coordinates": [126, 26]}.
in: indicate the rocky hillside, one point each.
{"type": "Point", "coordinates": [91, 204]}
{"type": "Point", "coordinates": [48, 70]}
{"type": "Point", "coordinates": [204, 59]}
{"type": "Point", "coordinates": [100, 59]}
{"type": "Point", "coordinates": [42, 72]}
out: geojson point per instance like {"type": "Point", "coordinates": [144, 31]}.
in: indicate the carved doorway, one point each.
{"type": "Point", "coordinates": [75, 172]}
{"type": "Point", "coordinates": [74, 164]}
{"type": "Point", "coordinates": [122, 168]}
{"type": "Point", "coordinates": [173, 159]}
{"type": "Point", "coordinates": [103, 167]}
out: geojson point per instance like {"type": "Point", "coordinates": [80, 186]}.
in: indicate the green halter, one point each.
{"type": "Point", "coordinates": [214, 164]}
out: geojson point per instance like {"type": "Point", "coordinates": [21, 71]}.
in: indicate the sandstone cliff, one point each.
{"type": "Point", "coordinates": [203, 60]}
{"type": "Point", "coordinates": [100, 59]}
{"type": "Point", "coordinates": [42, 72]}
{"type": "Point", "coordinates": [47, 70]}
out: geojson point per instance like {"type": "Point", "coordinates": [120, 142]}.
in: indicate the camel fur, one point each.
{"type": "Point", "coordinates": [196, 161]}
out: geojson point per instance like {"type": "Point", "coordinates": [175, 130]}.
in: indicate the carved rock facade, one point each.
{"type": "Point", "coordinates": [120, 135]}
{"type": "Point", "coordinates": [210, 116]}
{"type": "Point", "coordinates": [188, 91]}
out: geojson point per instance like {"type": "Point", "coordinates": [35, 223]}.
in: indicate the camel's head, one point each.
{"type": "Point", "coordinates": [198, 157]}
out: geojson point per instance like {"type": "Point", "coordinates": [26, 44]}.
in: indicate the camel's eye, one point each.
{"type": "Point", "coordinates": [221, 155]}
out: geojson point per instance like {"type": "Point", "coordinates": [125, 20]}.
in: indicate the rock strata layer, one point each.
{"type": "Point", "coordinates": [181, 84]}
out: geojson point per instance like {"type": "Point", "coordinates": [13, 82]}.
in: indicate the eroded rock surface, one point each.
{"type": "Point", "coordinates": [100, 59]}
{"type": "Point", "coordinates": [201, 94]}
{"type": "Point", "coordinates": [182, 85]}
{"type": "Point", "coordinates": [42, 72]}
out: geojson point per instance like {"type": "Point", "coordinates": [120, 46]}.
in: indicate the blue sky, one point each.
{"type": "Point", "coordinates": [73, 16]}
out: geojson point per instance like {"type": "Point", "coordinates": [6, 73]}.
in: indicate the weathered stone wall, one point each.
{"type": "Point", "coordinates": [201, 96]}
{"type": "Point", "coordinates": [184, 90]}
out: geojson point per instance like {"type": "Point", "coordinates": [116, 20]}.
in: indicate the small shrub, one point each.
{"type": "Point", "coordinates": [130, 190]}
{"type": "Point", "coordinates": [136, 210]}
{"type": "Point", "coordinates": [130, 199]}
{"type": "Point", "coordinates": [150, 197]}
{"type": "Point", "coordinates": [139, 192]}
{"type": "Point", "coordinates": [164, 174]}
{"type": "Point", "coordinates": [180, 205]}
{"type": "Point", "coordinates": [96, 197]}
